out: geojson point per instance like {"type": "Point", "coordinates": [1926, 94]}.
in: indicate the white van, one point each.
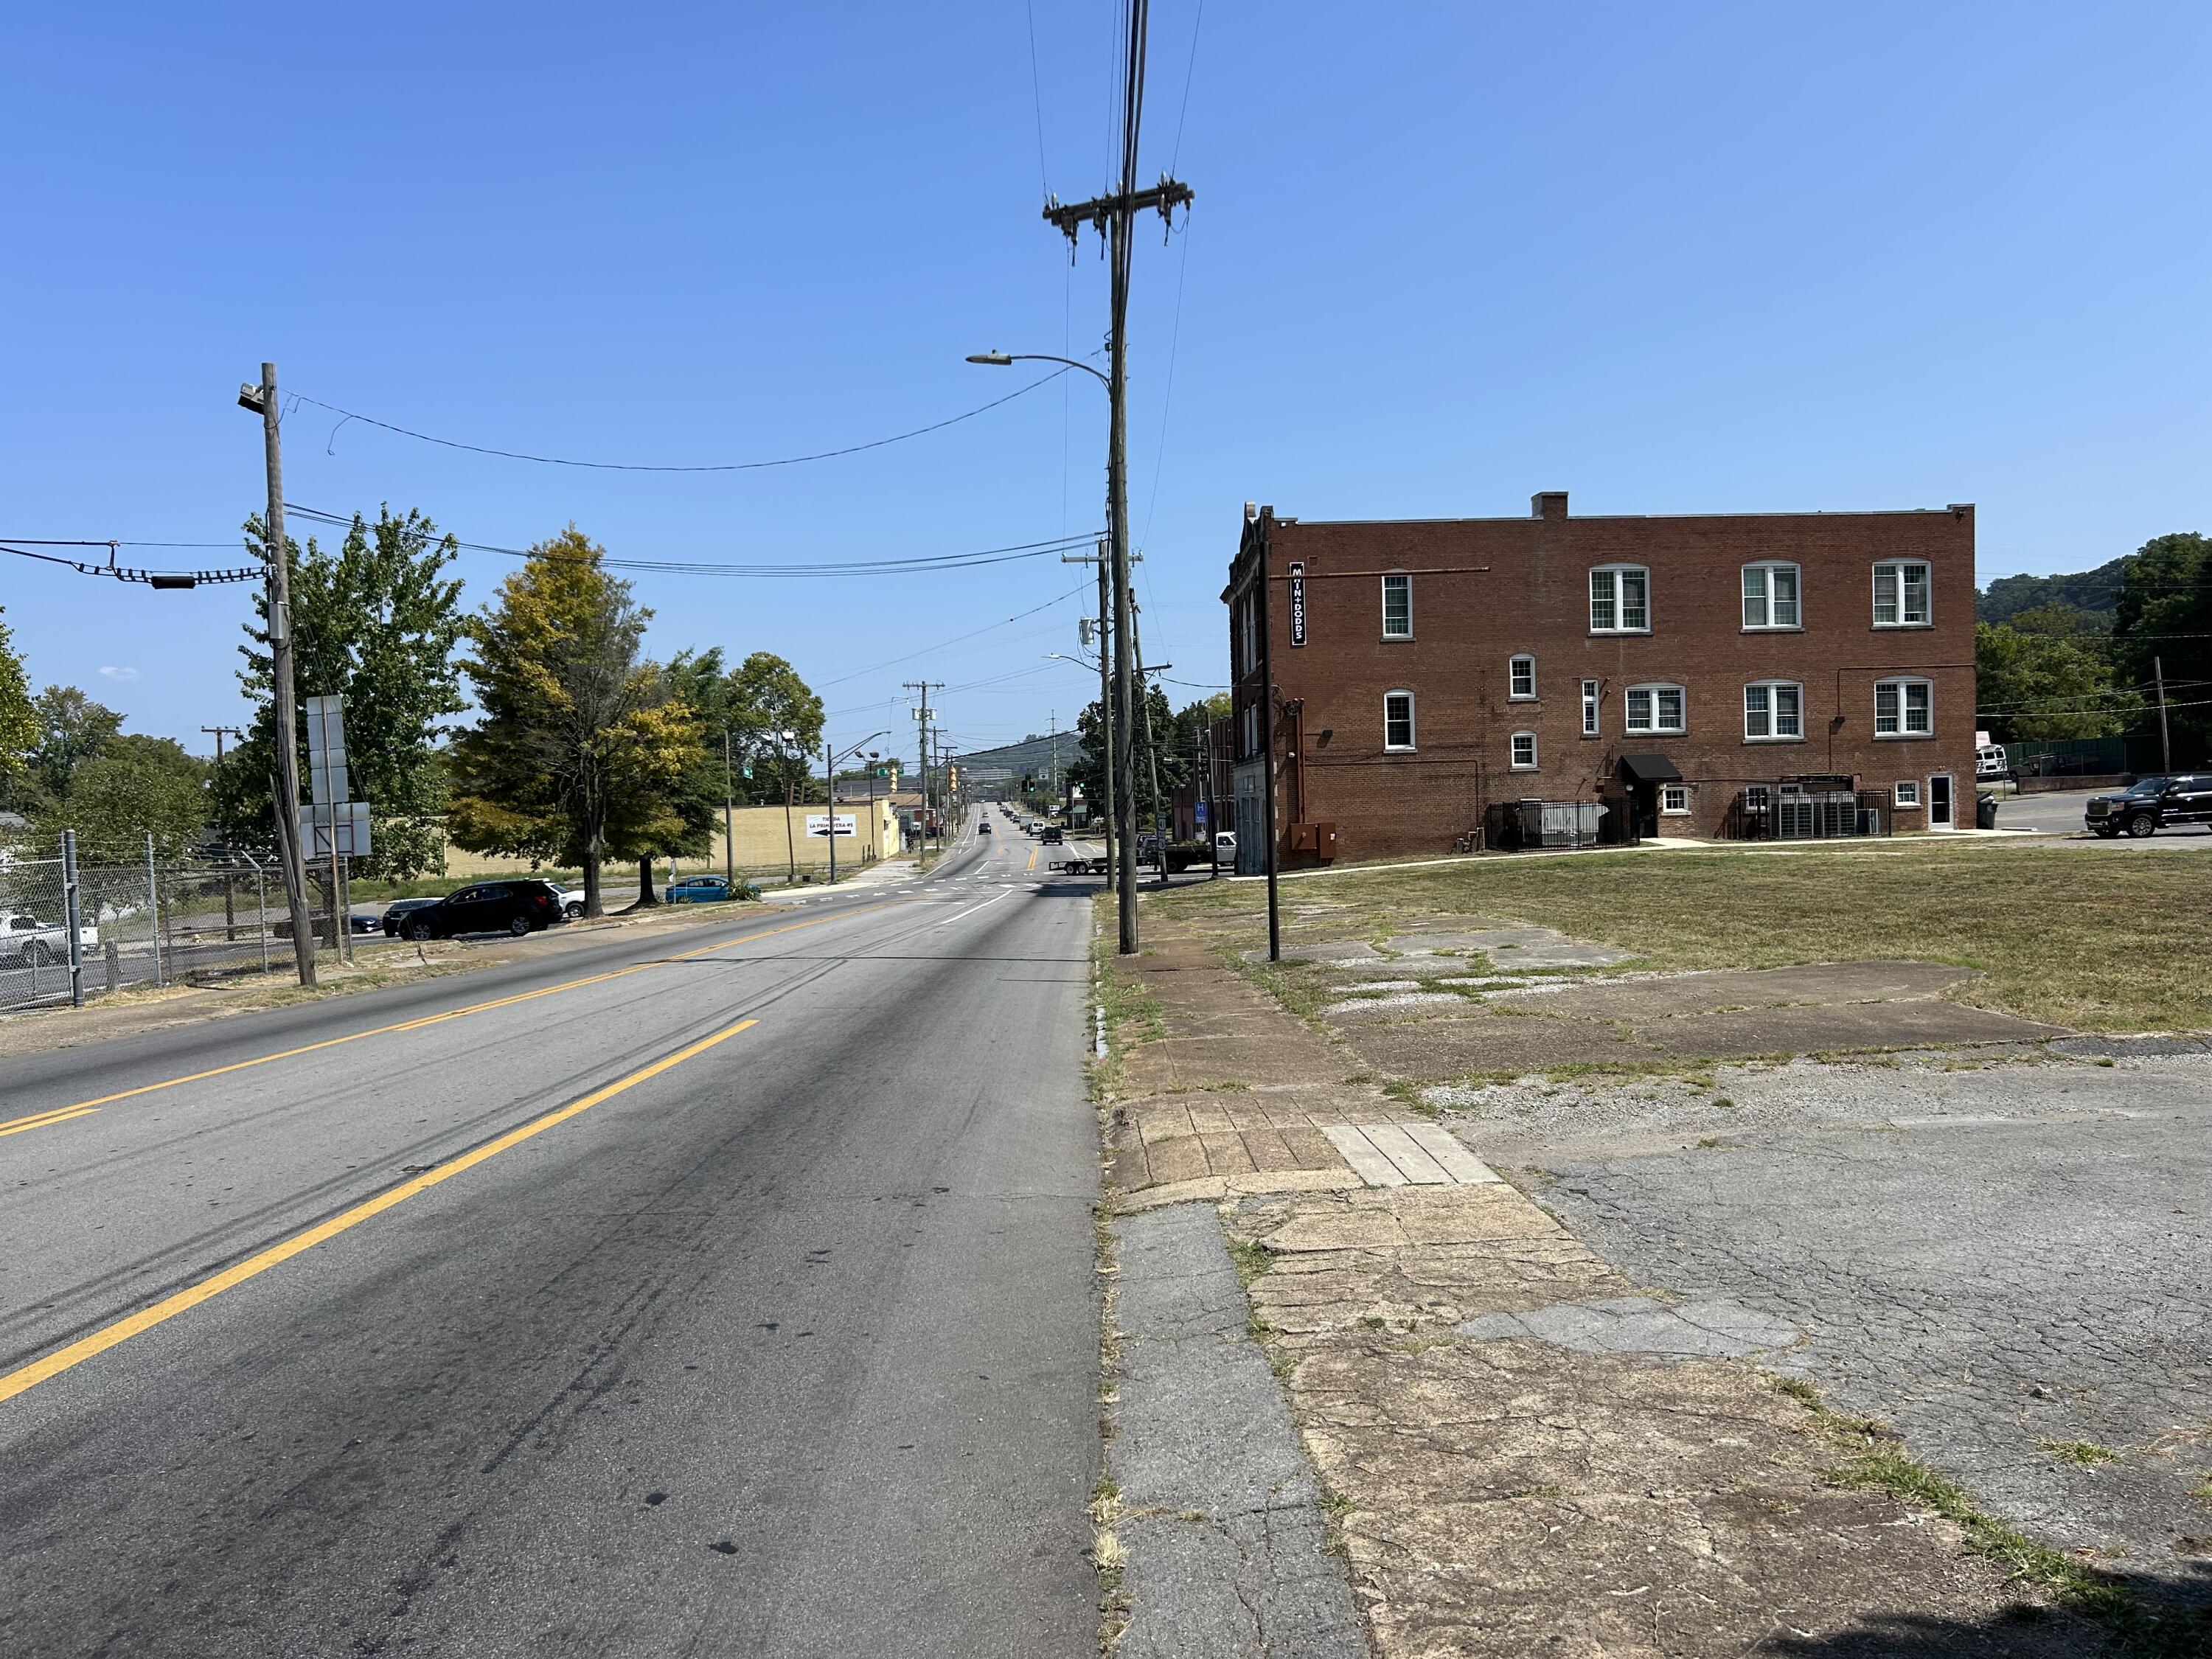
{"type": "Point", "coordinates": [1989, 763]}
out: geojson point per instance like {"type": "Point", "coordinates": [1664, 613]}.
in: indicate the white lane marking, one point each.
{"type": "Point", "coordinates": [973, 909]}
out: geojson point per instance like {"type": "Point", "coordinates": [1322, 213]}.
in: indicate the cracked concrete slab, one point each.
{"type": "Point", "coordinates": [1220, 1514]}
{"type": "Point", "coordinates": [1711, 1326]}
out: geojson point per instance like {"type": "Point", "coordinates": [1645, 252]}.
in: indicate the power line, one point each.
{"type": "Point", "coordinates": [178, 578]}
{"type": "Point", "coordinates": [1036, 94]}
{"type": "Point", "coordinates": [640, 466]}
{"type": "Point", "coordinates": [875, 668]}
{"type": "Point", "coordinates": [916, 565]}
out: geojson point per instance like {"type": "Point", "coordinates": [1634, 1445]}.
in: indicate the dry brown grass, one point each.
{"type": "Point", "coordinates": [2096, 938]}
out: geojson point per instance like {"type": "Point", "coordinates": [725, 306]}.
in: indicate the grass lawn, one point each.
{"type": "Point", "coordinates": [2096, 940]}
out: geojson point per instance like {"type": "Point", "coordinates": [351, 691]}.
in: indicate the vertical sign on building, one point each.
{"type": "Point", "coordinates": [1298, 601]}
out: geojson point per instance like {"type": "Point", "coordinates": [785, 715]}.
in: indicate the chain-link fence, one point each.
{"type": "Point", "coordinates": [143, 919]}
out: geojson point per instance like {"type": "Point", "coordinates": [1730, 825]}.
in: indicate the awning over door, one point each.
{"type": "Point", "coordinates": [1648, 769]}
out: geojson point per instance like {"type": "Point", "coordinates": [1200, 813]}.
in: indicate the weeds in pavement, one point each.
{"type": "Point", "coordinates": [1252, 1260]}
{"type": "Point", "coordinates": [1880, 1463]}
{"type": "Point", "coordinates": [2083, 1454]}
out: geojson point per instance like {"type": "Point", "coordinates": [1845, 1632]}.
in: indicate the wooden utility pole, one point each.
{"type": "Point", "coordinates": [286, 710]}
{"type": "Point", "coordinates": [1114, 216]}
{"type": "Point", "coordinates": [229, 911]}
{"type": "Point", "coordinates": [2164, 744]}
{"type": "Point", "coordinates": [1103, 559]}
{"type": "Point", "coordinates": [922, 829]}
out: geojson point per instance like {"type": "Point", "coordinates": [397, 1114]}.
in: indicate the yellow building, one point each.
{"type": "Point", "coordinates": [770, 842]}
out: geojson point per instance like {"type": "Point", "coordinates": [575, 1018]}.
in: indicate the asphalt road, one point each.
{"type": "Point", "coordinates": [722, 1291]}
{"type": "Point", "coordinates": [2060, 813]}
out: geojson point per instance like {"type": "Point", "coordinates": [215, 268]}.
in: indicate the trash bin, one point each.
{"type": "Point", "coordinates": [1985, 811]}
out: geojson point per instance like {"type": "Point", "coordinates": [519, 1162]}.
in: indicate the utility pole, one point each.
{"type": "Point", "coordinates": [262, 401]}
{"type": "Point", "coordinates": [2164, 744]}
{"type": "Point", "coordinates": [230, 915]}
{"type": "Point", "coordinates": [1151, 749]}
{"type": "Point", "coordinates": [1114, 216]}
{"type": "Point", "coordinates": [729, 835]}
{"type": "Point", "coordinates": [922, 714]}
{"type": "Point", "coordinates": [1103, 559]}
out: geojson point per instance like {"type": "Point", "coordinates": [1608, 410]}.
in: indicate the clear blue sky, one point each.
{"type": "Point", "coordinates": [1682, 258]}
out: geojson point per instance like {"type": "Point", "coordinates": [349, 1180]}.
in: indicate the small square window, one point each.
{"type": "Point", "coordinates": [1521, 679]}
{"type": "Point", "coordinates": [1757, 797]}
{"type": "Point", "coordinates": [1675, 798]}
{"type": "Point", "coordinates": [1524, 751]}
{"type": "Point", "coordinates": [1908, 793]}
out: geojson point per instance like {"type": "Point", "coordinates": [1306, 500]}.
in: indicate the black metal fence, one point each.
{"type": "Point", "coordinates": [1807, 812]}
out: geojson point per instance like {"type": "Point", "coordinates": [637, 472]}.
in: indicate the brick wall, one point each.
{"type": "Point", "coordinates": [1485, 589]}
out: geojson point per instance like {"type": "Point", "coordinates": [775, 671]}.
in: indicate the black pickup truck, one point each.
{"type": "Point", "coordinates": [2150, 805]}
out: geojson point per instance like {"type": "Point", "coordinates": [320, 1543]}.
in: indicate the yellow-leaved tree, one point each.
{"type": "Point", "coordinates": [582, 744]}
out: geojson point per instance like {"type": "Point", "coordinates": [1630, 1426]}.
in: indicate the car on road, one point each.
{"type": "Point", "coordinates": [2150, 805]}
{"type": "Point", "coordinates": [572, 900]}
{"type": "Point", "coordinates": [1224, 846]}
{"type": "Point", "coordinates": [487, 907]}
{"type": "Point", "coordinates": [698, 889]}
{"type": "Point", "coordinates": [29, 942]}
{"type": "Point", "coordinates": [396, 914]}
{"type": "Point", "coordinates": [983, 826]}
{"type": "Point", "coordinates": [1051, 836]}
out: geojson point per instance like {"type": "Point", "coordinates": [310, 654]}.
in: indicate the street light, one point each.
{"type": "Point", "coordinates": [830, 782]}
{"type": "Point", "coordinates": [1121, 789]}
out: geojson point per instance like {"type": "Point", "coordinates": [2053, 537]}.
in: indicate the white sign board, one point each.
{"type": "Point", "coordinates": [817, 824]}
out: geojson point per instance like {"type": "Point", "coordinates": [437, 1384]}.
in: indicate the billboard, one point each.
{"type": "Point", "coordinates": [817, 824]}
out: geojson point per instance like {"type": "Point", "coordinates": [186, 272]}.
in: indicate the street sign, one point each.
{"type": "Point", "coordinates": [817, 824]}
{"type": "Point", "coordinates": [1200, 809]}
{"type": "Point", "coordinates": [326, 748]}
{"type": "Point", "coordinates": [352, 829]}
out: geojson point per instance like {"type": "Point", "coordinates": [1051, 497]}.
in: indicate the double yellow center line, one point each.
{"type": "Point", "coordinates": [29, 1377]}
{"type": "Point", "coordinates": [84, 1107]}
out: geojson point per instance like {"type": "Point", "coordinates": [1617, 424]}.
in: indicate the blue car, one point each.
{"type": "Point", "coordinates": [698, 889]}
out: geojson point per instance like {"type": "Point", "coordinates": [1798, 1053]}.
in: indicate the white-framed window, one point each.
{"type": "Point", "coordinates": [1521, 678]}
{"type": "Point", "coordinates": [1908, 793]}
{"type": "Point", "coordinates": [1653, 709]}
{"type": "Point", "coordinates": [1621, 599]}
{"type": "Point", "coordinates": [1589, 708]}
{"type": "Point", "coordinates": [1770, 596]}
{"type": "Point", "coordinates": [1774, 712]}
{"type": "Point", "coordinates": [1901, 594]}
{"type": "Point", "coordinates": [1524, 751]}
{"type": "Point", "coordinates": [1397, 607]}
{"type": "Point", "coordinates": [1674, 799]}
{"type": "Point", "coordinates": [1397, 720]}
{"type": "Point", "coordinates": [1757, 798]}
{"type": "Point", "coordinates": [1904, 708]}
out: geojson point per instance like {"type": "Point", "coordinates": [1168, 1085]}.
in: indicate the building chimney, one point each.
{"type": "Point", "coordinates": [1548, 504]}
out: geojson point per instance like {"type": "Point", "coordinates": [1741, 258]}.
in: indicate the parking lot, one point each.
{"type": "Point", "coordinates": [2060, 813]}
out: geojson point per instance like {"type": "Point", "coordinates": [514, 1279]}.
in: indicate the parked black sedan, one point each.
{"type": "Point", "coordinates": [488, 907]}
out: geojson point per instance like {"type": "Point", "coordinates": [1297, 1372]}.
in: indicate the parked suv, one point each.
{"type": "Point", "coordinates": [488, 906]}
{"type": "Point", "coordinates": [2152, 805]}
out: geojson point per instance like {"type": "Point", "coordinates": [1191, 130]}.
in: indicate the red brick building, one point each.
{"type": "Point", "coordinates": [1693, 673]}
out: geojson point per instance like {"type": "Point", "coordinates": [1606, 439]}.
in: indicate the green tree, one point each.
{"type": "Point", "coordinates": [2038, 686]}
{"type": "Point", "coordinates": [374, 621]}
{"type": "Point", "coordinates": [1174, 734]}
{"type": "Point", "coordinates": [581, 745]}
{"type": "Point", "coordinates": [72, 730]}
{"type": "Point", "coordinates": [136, 786]}
{"type": "Point", "coordinates": [2163, 618]}
{"type": "Point", "coordinates": [767, 698]}
{"type": "Point", "coordinates": [19, 720]}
